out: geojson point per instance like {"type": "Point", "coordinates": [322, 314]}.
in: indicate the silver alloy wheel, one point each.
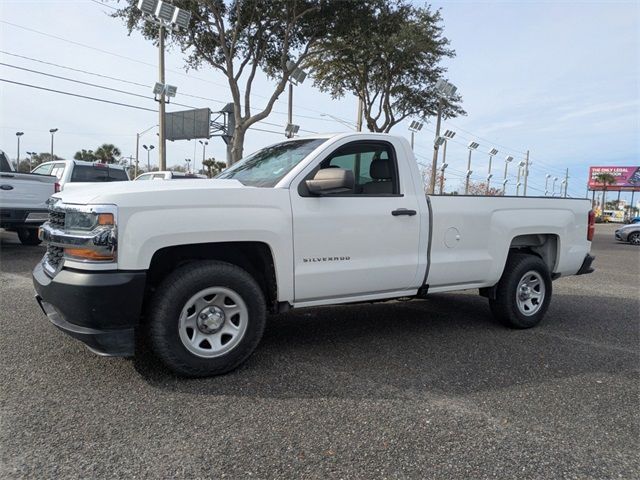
{"type": "Point", "coordinates": [213, 322]}
{"type": "Point", "coordinates": [530, 293]}
{"type": "Point", "coordinates": [634, 239]}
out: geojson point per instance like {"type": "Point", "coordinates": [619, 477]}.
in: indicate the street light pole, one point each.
{"type": "Point", "coordinates": [492, 153]}
{"type": "Point", "coordinates": [52, 131]}
{"type": "Point", "coordinates": [546, 184]}
{"type": "Point", "coordinates": [148, 149]}
{"type": "Point", "coordinates": [204, 146]}
{"type": "Point", "coordinates": [566, 182]}
{"type": "Point", "coordinates": [520, 165]}
{"type": "Point", "coordinates": [138, 135]}
{"type": "Point", "coordinates": [507, 160]}
{"type": "Point", "coordinates": [526, 173]}
{"type": "Point", "coordinates": [434, 161]}
{"type": "Point", "coordinates": [162, 145]}
{"type": "Point", "coordinates": [472, 146]}
{"type": "Point", "coordinates": [18, 134]}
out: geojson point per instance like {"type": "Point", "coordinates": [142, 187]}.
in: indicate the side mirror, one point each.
{"type": "Point", "coordinates": [331, 180]}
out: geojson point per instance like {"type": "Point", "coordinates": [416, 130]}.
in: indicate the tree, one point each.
{"type": "Point", "coordinates": [604, 179]}
{"type": "Point", "coordinates": [391, 60]}
{"type": "Point", "coordinates": [213, 167]}
{"type": "Point", "coordinates": [107, 153]}
{"type": "Point", "coordinates": [480, 188]}
{"type": "Point", "coordinates": [85, 155]}
{"type": "Point", "coordinates": [238, 38]}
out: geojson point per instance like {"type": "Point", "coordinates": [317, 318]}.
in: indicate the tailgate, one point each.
{"type": "Point", "coordinates": [25, 190]}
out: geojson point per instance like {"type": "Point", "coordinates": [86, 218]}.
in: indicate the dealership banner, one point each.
{"type": "Point", "coordinates": [627, 178]}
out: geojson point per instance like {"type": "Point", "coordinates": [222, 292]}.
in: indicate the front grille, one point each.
{"type": "Point", "coordinates": [54, 256]}
{"type": "Point", "coordinates": [56, 218]}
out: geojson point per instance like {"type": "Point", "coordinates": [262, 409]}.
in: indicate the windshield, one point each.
{"type": "Point", "coordinates": [268, 166]}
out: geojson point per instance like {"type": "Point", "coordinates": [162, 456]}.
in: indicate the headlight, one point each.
{"type": "Point", "coordinates": [87, 221]}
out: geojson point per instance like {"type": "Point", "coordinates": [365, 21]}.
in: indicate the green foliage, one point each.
{"type": "Point", "coordinates": [85, 155]}
{"type": "Point", "coordinates": [105, 153]}
{"type": "Point", "coordinates": [213, 167]}
{"type": "Point", "coordinates": [605, 179]}
{"type": "Point", "coordinates": [390, 59]}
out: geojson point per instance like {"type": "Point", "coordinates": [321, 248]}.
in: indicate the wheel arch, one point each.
{"type": "Point", "coordinates": [256, 258]}
{"type": "Point", "coordinates": [544, 245]}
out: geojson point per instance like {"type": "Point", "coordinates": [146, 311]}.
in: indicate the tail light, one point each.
{"type": "Point", "coordinates": [591, 225]}
{"type": "Point", "coordinates": [56, 187]}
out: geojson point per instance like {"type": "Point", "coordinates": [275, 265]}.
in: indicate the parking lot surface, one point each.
{"type": "Point", "coordinates": [420, 389]}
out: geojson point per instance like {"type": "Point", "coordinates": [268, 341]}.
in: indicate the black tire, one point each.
{"type": "Point", "coordinates": [28, 236]}
{"type": "Point", "coordinates": [172, 296]}
{"type": "Point", "coordinates": [634, 239]}
{"type": "Point", "coordinates": [505, 306]}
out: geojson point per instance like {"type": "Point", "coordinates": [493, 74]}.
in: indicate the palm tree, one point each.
{"type": "Point", "coordinates": [107, 153]}
{"type": "Point", "coordinates": [604, 179]}
{"type": "Point", "coordinates": [213, 167]}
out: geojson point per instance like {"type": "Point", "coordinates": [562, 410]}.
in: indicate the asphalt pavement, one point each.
{"type": "Point", "coordinates": [419, 389]}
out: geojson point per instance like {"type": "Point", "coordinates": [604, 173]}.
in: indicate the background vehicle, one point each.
{"type": "Point", "coordinates": [308, 222]}
{"type": "Point", "coordinates": [613, 216]}
{"type": "Point", "coordinates": [77, 171]}
{"type": "Point", "coordinates": [629, 233]}
{"type": "Point", "coordinates": [168, 175]}
{"type": "Point", "coordinates": [23, 198]}
{"type": "Point", "coordinates": [635, 220]}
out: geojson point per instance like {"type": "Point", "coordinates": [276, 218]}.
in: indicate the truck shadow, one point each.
{"type": "Point", "coordinates": [447, 345]}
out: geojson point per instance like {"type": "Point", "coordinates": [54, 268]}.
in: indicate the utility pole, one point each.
{"type": "Point", "coordinates": [526, 173]}
{"type": "Point", "coordinates": [52, 131]}
{"type": "Point", "coordinates": [566, 182]}
{"type": "Point", "coordinates": [289, 133]}
{"type": "Point", "coordinates": [162, 145]}
{"type": "Point", "coordinates": [360, 112]}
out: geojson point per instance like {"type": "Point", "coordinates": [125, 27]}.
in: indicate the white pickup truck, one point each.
{"type": "Point", "coordinates": [193, 267]}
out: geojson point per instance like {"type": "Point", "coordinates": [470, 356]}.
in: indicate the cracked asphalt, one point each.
{"type": "Point", "coordinates": [420, 389]}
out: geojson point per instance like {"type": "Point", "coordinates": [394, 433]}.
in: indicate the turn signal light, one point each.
{"type": "Point", "coordinates": [105, 219]}
{"type": "Point", "coordinates": [86, 254]}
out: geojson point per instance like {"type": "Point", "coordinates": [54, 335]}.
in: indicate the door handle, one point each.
{"type": "Point", "coordinates": [403, 211]}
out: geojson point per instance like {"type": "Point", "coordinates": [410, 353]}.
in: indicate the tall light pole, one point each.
{"type": "Point", "coordinates": [18, 135]}
{"type": "Point", "coordinates": [442, 169]}
{"type": "Point", "coordinates": [444, 90]}
{"type": "Point", "coordinates": [414, 127]}
{"type": "Point", "coordinates": [52, 131]}
{"type": "Point", "coordinates": [188, 160]}
{"type": "Point", "coordinates": [546, 184]}
{"type": "Point", "coordinates": [148, 149]}
{"type": "Point", "coordinates": [520, 165]}
{"type": "Point", "coordinates": [493, 152]}
{"type": "Point", "coordinates": [296, 77]}
{"type": "Point", "coordinates": [566, 183]}
{"type": "Point", "coordinates": [204, 146]}
{"type": "Point", "coordinates": [508, 159]}
{"type": "Point", "coordinates": [138, 135]}
{"type": "Point", "coordinates": [526, 172]}
{"type": "Point", "coordinates": [472, 146]}
{"type": "Point", "coordinates": [553, 189]}
{"type": "Point", "coordinates": [31, 154]}
{"type": "Point", "coordinates": [165, 15]}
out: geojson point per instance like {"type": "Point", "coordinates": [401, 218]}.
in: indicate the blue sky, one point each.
{"type": "Point", "coordinates": [560, 79]}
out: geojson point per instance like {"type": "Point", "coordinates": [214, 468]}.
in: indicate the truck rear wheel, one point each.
{"type": "Point", "coordinates": [28, 236]}
{"type": "Point", "coordinates": [206, 318]}
{"type": "Point", "coordinates": [523, 293]}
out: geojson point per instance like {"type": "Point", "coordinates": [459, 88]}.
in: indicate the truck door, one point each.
{"type": "Point", "coordinates": [364, 241]}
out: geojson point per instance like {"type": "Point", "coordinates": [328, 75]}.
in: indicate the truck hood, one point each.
{"type": "Point", "coordinates": [110, 193]}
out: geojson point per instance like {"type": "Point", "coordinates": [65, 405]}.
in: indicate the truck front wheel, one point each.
{"type": "Point", "coordinates": [523, 293]}
{"type": "Point", "coordinates": [206, 318]}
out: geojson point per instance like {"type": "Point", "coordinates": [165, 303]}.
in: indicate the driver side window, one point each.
{"type": "Point", "coordinates": [373, 165]}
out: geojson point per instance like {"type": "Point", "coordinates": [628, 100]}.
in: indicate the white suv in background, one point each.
{"type": "Point", "coordinates": [77, 171]}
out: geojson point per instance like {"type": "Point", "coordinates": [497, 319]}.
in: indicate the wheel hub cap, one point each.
{"type": "Point", "coordinates": [210, 319]}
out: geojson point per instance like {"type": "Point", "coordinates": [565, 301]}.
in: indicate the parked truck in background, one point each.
{"type": "Point", "coordinates": [193, 267]}
{"type": "Point", "coordinates": [23, 201]}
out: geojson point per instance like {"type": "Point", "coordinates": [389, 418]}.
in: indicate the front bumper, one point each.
{"type": "Point", "coordinates": [102, 309]}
